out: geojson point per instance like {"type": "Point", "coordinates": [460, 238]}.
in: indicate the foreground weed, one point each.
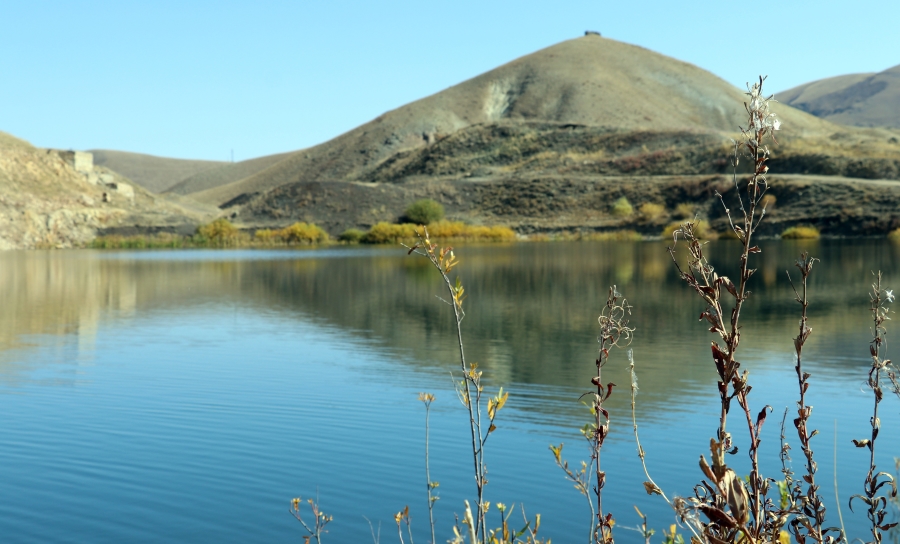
{"type": "Point", "coordinates": [733, 513]}
{"type": "Point", "coordinates": [430, 486]}
{"type": "Point", "coordinates": [400, 517]}
{"type": "Point", "coordinates": [614, 332]}
{"type": "Point", "coordinates": [469, 389]}
{"type": "Point", "coordinates": [501, 535]}
{"type": "Point", "coordinates": [318, 525]}
{"type": "Point", "coordinates": [877, 504]}
{"type": "Point", "coordinates": [807, 504]}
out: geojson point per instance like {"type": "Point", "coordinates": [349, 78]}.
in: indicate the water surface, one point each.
{"type": "Point", "coordinates": [187, 396]}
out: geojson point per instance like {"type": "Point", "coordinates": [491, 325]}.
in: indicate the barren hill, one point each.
{"type": "Point", "coordinates": [590, 81]}
{"type": "Point", "coordinates": [46, 202]}
{"type": "Point", "coordinates": [156, 174]}
{"type": "Point", "coordinates": [865, 100]}
{"type": "Point", "coordinates": [548, 142]}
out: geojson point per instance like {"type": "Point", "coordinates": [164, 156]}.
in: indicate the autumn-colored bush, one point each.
{"type": "Point", "coordinates": [388, 233]}
{"type": "Point", "coordinates": [685, 210]}
{"type": "Point", "coordinates": [460, 230]}
{"type": "Point", "coordinates": [650, 211]}
{"type": "Point", "coordinates": [218, 233]}
{"type": "Point", "coordinates": [303, 233]}
{"type": "Point", "coordinates": [702, 230]}
{"type": "Point", "coordinates": [800, 233]}
{"type": "Point", "coordinates": [352, 236]}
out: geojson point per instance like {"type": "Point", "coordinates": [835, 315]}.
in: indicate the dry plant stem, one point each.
{"type": "Point", "coordinates": [877, 504]}
{"type": "Point", "coordinates": [749, 514]}
{"type": "Point", "coordinates": [427, 399]}
{"type": "Point", "coordinates": [810, 519]}
{"type": "Point", "coordinates": [321, 519]}
{"type": "Point", "coordinates": [444, 261]}
{"type": "Point", "coordinates": [613, 330]}
{"type": "Point", "coordinates": [837, 498]}
{"type": "Point", "coordinates": [649, 486]}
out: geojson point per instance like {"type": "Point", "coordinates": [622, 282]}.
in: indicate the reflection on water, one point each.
{"type": "Point", "coordinates": [78, 318]}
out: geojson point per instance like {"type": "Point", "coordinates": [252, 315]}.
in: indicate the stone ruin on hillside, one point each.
{"type": "Point", "coordinates": [83, 163]}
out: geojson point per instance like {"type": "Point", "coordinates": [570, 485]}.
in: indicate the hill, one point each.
{"type": "Point", "coordinates": [46, 202]}
{"type": "Point", "coordinates": [224, 174]}
{"type": "Point", "coordinates": [156, 174]}
{"type": "Point", "coordinates": [589, 81]}
{"type": "Point", "coordinates": [548, 141]}
{"type": "Point", "coordinates": [864, 100]}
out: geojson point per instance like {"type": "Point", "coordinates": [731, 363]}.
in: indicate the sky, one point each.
{"type": "Point", "coordinates": [220, 79]}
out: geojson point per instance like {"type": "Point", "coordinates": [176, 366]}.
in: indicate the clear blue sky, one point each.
{"type": "Point", "coordinates": [196, 79]}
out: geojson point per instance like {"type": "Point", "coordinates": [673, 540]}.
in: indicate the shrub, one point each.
{"type": "Point", "coordinates": [265, 236]}
{"type": "Point", "coordinates": [702, 230]}
{"type": "Point", "coordinates": [614, 235]}
{"type": "Point", "coordinates": [301, 232]}
{"type": "Point", "coordinates": [894, 235]}
{"type": "Point", "coordinates": [220, 233]}
{"type": "Point", "coordinates": [768, 201]}
{"type": "Point", "coordinates": [352, 236]}
{"type": "Point", "coordinates": [460, 230]}
{"type": "Point", "coordinates": [387, 233]}
{"type": "Point", "coordinates": [685, 210]}
{"type": "Point", "coordinates": [800, 233]}
{"type": "Point", "coordinates": [651, 211]}
{"type": "Point", "coordinates": [425, 211]}
{"type": "Point", "coordinates": [622, 207]}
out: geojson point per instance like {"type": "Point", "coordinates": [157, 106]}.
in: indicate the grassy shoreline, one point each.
{"type": "Point", "coordinates": [222, 234]}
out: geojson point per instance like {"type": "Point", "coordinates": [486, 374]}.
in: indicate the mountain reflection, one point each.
{"type": "Point", "coordinates": [531, 311]}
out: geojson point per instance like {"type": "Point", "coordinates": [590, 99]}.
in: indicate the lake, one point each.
{"type": "Point", "coordinates": [188, 396]}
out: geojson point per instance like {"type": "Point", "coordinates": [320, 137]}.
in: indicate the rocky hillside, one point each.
{"type": "Point", "coordinates": [863, 100]}
{"type": "Point", "coordinates": [49, 198]}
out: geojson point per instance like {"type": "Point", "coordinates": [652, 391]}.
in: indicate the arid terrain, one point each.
{"type": "Point", "coordinates": [545, 143]}
{"type": "Point", "coordinates": [864, 100]}
{"type": "Point", "coordinates": [46, 202]}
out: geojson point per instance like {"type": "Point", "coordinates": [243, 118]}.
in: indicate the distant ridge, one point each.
{"type": "Point", "coordinates": [864, 100]}
{"type": "Point", "coordinates": [590, 81]}
{"type": "Point", "coordinates": [156, 174]}
{"type": "Point", "coordinates": [224, 174]}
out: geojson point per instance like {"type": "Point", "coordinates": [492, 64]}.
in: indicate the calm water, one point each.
{"type": "Point", "coordinates": [188, 396]}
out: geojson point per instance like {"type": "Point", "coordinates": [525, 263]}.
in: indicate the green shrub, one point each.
{"type": "Point", "coordinates": [352, 236]}
{"type": "Point", "coordinates": [622, 207]}
{"type": "Point", "coordinates": [894, 235]}
{"type": "Point", "coordinates": [424, 211]}
{"type": "Point", "coordinates": [800, 233]}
